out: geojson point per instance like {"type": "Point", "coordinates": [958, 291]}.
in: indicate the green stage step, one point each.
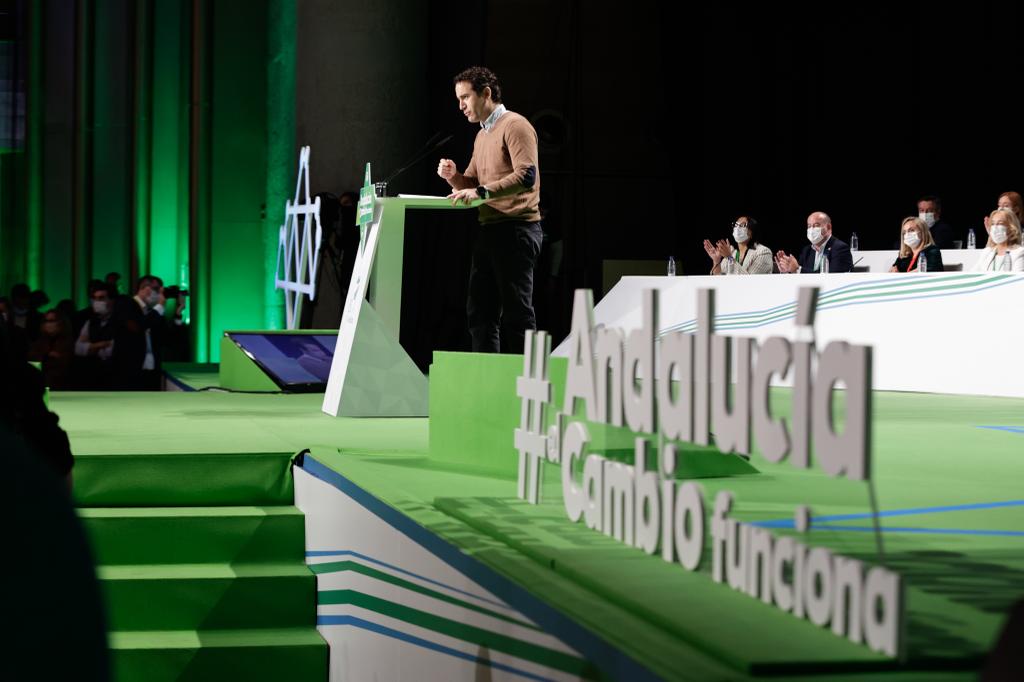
{"type": "Point", "coordinates": [187, 500]}
{"type": "Point", "coordinates": [186, 479]}
{"type": "Point", "coordinates": [209, 596]}
{"type": "Point", "coordinates": [139, 535]}
{"type": "Point", "coordinates": [253, 655]}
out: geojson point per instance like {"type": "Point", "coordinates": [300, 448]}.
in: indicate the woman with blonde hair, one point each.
{"type": "Point", "coordinates": [1003, 251]}
{"type": "Point", "coordinates": [917, 246]}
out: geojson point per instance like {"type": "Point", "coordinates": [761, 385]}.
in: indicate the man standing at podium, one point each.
{"type": "Point", "coordinates": [503, 172]}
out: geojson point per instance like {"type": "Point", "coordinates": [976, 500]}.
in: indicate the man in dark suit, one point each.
{"type": "Point", "coordinates": [138, 337]}
{"type": "Point", "coordinates": [929, 209]}
{"type": "Point", "coordinates": [825, 253]}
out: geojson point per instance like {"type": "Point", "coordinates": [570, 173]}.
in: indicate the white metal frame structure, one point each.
{"type": "Point", "coordinates": [298, 245]}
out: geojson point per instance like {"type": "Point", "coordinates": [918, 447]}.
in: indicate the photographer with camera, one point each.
{"type": "Point", "coordinates": [177, 347]}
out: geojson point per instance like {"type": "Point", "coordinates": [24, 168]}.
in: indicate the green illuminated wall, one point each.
{"type": "Point", "coordinates": [165, 247]}
{"type": "Point", "coordinates": [107, 226]}
{"type": "Point", "coordinates": [161, 140]}
{"type": "Point", "coordinates": [238, 158]}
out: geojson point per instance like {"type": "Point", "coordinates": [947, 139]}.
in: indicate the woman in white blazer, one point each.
{"type": "Point", "coordinates": [748, 257]}
{"type": "Point", "coordinates": [1004, 251]}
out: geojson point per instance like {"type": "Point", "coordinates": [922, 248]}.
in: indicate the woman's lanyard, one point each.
{"type": "Point", "coordinates": [913, 260]}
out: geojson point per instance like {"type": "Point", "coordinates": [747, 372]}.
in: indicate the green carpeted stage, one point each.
{"type": "Point", "coordinates": [188, 500]}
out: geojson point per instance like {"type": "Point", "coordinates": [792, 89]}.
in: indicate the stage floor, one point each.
{"type": "Point", "coordinates": [948, 472]}
{"type": "Point", "coordinates": [174, 422]}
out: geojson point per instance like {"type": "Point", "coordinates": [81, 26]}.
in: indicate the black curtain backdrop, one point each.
{"type": "Point", "coordinates": [856, 109]}
{"type": "Point", "coordinates": [662, 122]}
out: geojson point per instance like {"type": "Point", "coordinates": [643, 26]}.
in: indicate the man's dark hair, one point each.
{"type": "Point", "coordinates": [932, 198]}
{"type": "Point", "coordinates": [148, 281]}
{"type": "Point", "coordinates": [479, 78]}
{"type": "Point", "coordinates": [20, 290]}
{"type": "Point", "coordinates": [110, 291]}
{"type": "Point", "coordinates": [37, 299]}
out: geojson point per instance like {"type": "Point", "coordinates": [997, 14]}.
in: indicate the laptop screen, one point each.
{"type": "Point", "coordinates": [295, 362]}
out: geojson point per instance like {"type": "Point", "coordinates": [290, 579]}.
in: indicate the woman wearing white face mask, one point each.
{"type": "Point", "coordinates": [747, 258]}
{"type": "Point", "coordinates": [916, 243]}
{"type": "Point", "coordinates": [1004, 250]}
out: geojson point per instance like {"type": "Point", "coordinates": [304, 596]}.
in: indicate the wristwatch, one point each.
{"type": "Point", "coordinates": [482, 192]}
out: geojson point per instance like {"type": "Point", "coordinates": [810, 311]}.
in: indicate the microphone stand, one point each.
{"type": "Point", "coordinates": [428, 149]}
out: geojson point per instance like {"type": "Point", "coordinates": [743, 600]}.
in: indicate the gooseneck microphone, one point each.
{"type": "Point", "coordinates": [429, 148]}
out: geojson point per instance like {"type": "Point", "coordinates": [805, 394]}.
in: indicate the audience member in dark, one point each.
{"type": "Point", "coordinates": [38, 300]}
{"type": "Point", "coordinates": [41, 524]}
{"type": "Point", "coordinates": [66, 307]}
{"type": "Point", "coordinates": [23, 409]}
{"type": "Point", "coordinates": [54, 348]}
{"type": "Point", "coordinates": [916, 243]}
{"type": "Point", "coordinates": [113, 282]}
{"type": "Point", "coordinates": [36, 458]}
{"type": "Point", "coordinates": [177, 344]}
{"type": "Point", "coordinates": [23, 315]}
{"type": "Point", "coordinates": [17, 338]}
{"type": "Point", "coordinates": [95, 345]}
{"type": "Point", "coordinates": [80, 316]}
{"type": "Point", "coordinates": [338, 249]}
{"type": "Point", "coordinates": [139, 329]}
{"type": "Point", "coordinates": [929, 209]}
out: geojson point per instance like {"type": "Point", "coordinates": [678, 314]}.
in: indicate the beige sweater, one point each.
{"type": "Point", "coordinates": [505, 162]}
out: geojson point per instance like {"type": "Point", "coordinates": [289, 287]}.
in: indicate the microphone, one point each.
{"type": "Point", "coordinates": [429, 148]}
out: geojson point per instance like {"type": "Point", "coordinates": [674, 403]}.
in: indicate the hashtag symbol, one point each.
{"type": "Point", "coordinates": [535, 390]}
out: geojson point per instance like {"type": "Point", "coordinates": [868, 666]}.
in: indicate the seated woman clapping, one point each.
{"type": "Point", "coordinates": [917, 245]}
{"type": "Point", "coordinates": [1004, 250]}
{"type": "Point", "coordinates": [747, 258]}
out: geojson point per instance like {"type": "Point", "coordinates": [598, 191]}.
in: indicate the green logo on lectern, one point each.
{"type": "Point", "coordinates": [364, 216]}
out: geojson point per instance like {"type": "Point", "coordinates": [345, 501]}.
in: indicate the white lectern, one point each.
{"type": "Point", "coordinates": [371, 374]}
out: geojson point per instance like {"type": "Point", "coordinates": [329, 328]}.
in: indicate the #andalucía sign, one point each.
{"type": "Point", "coordinates": [710, 389]}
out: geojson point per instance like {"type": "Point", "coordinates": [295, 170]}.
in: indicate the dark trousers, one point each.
{"type": "Point", "coordinates": [500, 305]}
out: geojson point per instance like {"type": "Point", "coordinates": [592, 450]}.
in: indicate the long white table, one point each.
{"type": "Point", "coordinates": [947, 332]}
